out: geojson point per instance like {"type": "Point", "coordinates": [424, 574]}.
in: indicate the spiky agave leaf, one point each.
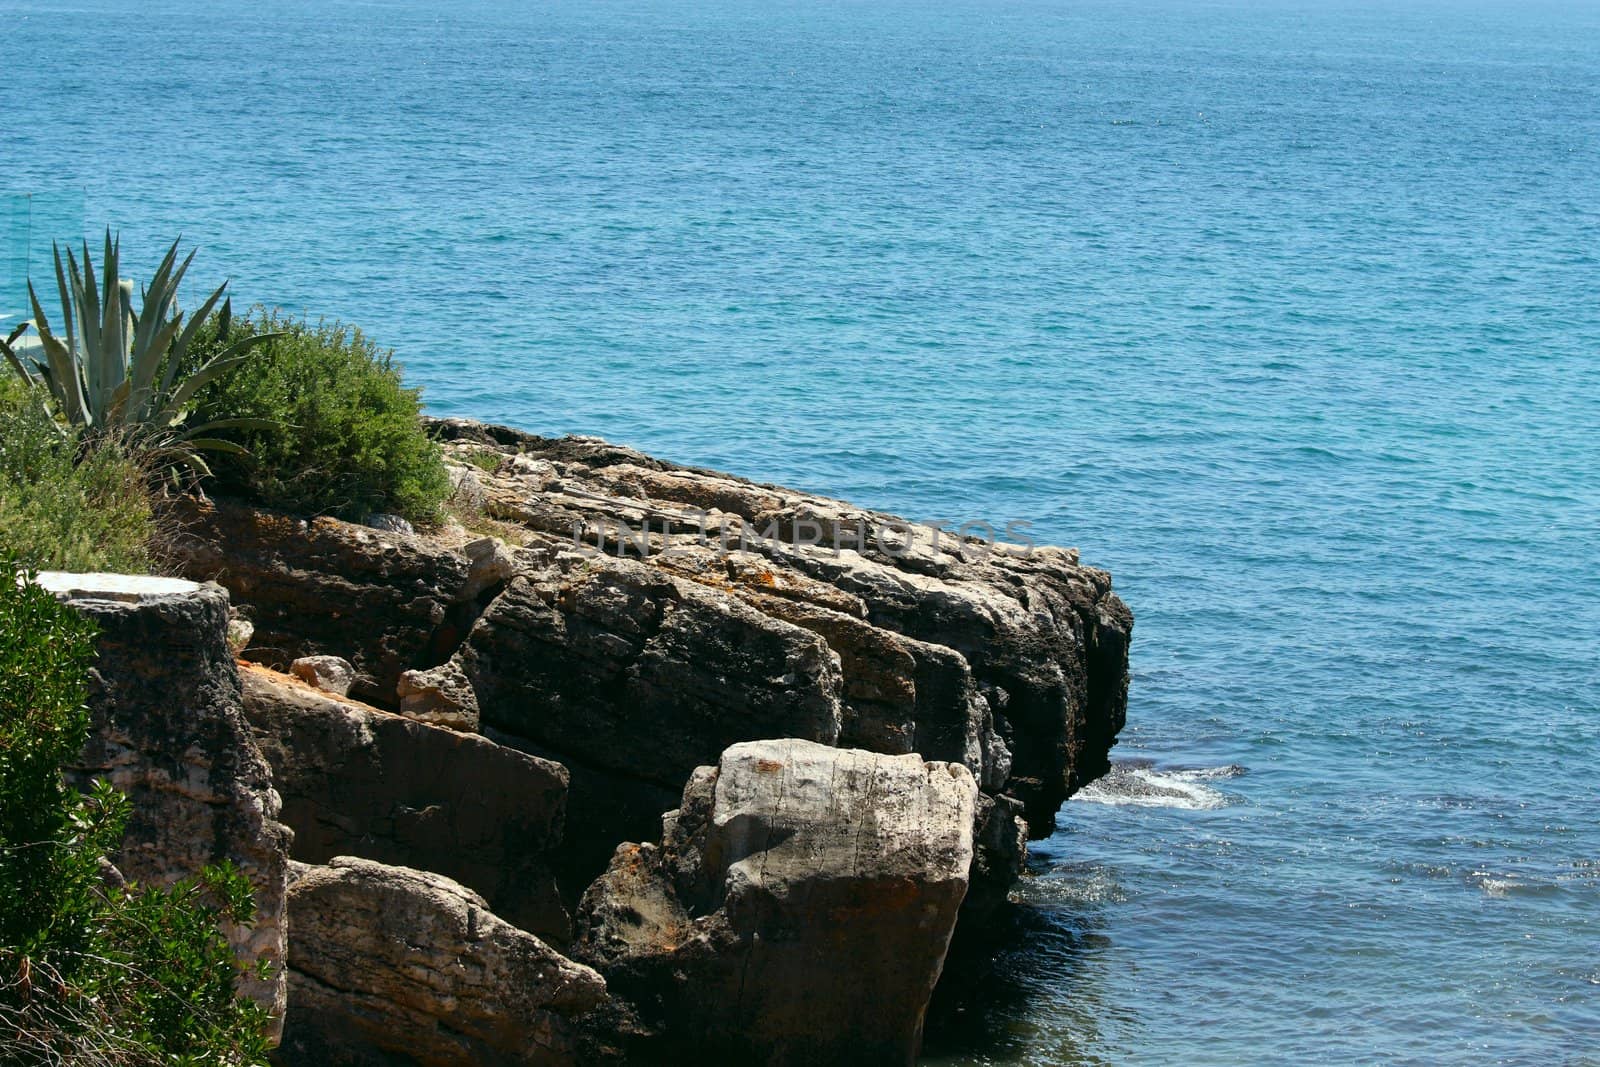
{"type": "Point", "coordinates": [61, 371]}
{"type": "Point", "coordinates": [176, 408]}
{"type": "Point", "coordinates": [155, 333]}
{"type": "Point", "coordinates": [16, 360]}
{"type": "Point", "coordinates": [126, 375]}
{"type": "Point", "coordinates": [33, 379]}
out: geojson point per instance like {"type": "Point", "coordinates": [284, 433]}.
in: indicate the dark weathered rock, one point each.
{"type": "Point", "coordinates": [168, 731]}
{"type": "Point", "coordinates": [1044, 638]}
{"type": "Point", "coordinates": [393, 965]}
{"type": "Point", "coordinates": [798, 909]}
{"type": "Point", "coordinates": [362, 782]}
{"type": "Point", "coordinates": [613, 806]}
{"type": "Point", "coordinates": [628, 668]}
{"type": "Point", "coordinates": [385, 601]}
{"type": "Point", "coordinates": [867, 633]}
{"type": "Point", "coordinates": [999, 854]}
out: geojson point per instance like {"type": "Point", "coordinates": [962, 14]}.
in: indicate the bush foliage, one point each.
{"type": "Point", "coordinates": [92, 973]}
{"type": "Point", "coordinates": [66, 504]}
{"type": "Point", "coordinates": [349, 439]}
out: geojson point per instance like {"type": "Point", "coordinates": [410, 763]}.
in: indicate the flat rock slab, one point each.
{"type": "Point", "coordinates": [125, 588]}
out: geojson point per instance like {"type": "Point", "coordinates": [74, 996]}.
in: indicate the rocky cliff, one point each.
{"type": "Point", "coordinates": [851, 724]}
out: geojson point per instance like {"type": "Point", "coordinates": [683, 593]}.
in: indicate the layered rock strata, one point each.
{"type": "Point", "coordinates": [654, 615]}
{"type": "Point", "coordinates": [168, 730]}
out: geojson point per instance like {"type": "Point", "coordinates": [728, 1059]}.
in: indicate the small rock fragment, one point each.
{"type": "Point", "coordinates": [466, 489]}
{"type": "Point", "coordinates": [492, 563]}
{"type": "Point", "coordinates": [389, 523]}
{"type": "Point", "coordinates": [331, 674]}
{"type": "Point", "coordinates": [240, 631]}
{"type": "Point", "coordinates": [441, 696]}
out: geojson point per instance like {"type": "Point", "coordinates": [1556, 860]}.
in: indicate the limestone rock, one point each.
{"type": "Point", "coordinates": [492, 564]}
{"type": "Point", "coordinates": [391, 964]}
{"type": "Point", "coordinates": [168, 731]}
{"type": "Point", "coordinates": [627, 668]}
{"type": "Point", "coordinates": [822, 621]}
{"type": "Point", "coordinates": [331, 674]}
{"type": "Point", "coordinates": [798, 909]}
{"type": "Point", "coordinates": [240, 631]}
{"type": "Point", "coordinates": [1044, 638]}
{"type": "Point", "coordinates": [387, 602]}
{"type": "Point", "coordinates": [363, 782]}
{"type": "Point", "coordinates": [442, 696]}
{"type": "Point", "coordinates": [466, 488]}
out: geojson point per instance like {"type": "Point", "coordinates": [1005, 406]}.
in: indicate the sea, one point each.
{"type": "Point", "coordinates": [1285, 312]}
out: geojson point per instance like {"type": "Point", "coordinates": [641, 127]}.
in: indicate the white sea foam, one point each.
{"type": "Point", "coordinates": [1070, 886]}
{"type": "Point", "coordinates": [1145, 786]}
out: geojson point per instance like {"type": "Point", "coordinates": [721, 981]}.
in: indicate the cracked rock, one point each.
{"type": "Point", "coordinates": [798, 909]}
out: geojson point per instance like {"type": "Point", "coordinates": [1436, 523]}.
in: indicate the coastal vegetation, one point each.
{"type": "Point", "coordinates": [93, 970]}
{"type": "Point", "coordinates": [118, 407]}
{"type": "Point", "coordinates": [66, 504]}
{"type": "Point", "coordinates": [115, 374]}
{"type": "Point", "coordinates": [325, 423]}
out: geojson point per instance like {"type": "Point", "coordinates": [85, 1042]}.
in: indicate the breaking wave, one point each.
{"type": "Point", "coordinates": [1144, 785]}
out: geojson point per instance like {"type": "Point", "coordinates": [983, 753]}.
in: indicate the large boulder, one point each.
{"type": "Point", "coordinates": [797, 910]}
{"type": "Point", "coordinates": [169, 732]}
{"type": "Point", "coordinates": [393, 965]}
{"type": "Point", "coordinates": [362, 782]}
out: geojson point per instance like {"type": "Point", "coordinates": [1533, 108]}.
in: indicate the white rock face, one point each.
{"type": "Point", "coordinates": [127, 588]}
{"type": "Point", "coordinates": [441, 696]}
{"type": "Point", "coordinates": [492, 563]}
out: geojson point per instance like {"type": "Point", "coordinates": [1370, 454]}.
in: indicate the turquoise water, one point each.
{"type": "Point", "coordinates": [1286, 313]}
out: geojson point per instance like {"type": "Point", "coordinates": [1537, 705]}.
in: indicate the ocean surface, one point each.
{"type": "Point", "coordinates": [1285, 312]}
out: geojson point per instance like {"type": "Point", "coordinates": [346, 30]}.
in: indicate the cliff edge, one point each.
{"type": "Point", "coordinates": [608, 627]}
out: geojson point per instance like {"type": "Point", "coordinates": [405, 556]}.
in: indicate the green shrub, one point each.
{"type": "Point", "coordinates": [350, 440]}
{"type": "Point", "coordinates": [91, 973]}
{"type": "Point", "coordinates": [65, 505]}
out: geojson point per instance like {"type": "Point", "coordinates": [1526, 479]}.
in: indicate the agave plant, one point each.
{"type": "Point", "coordinates": [117, 373]}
